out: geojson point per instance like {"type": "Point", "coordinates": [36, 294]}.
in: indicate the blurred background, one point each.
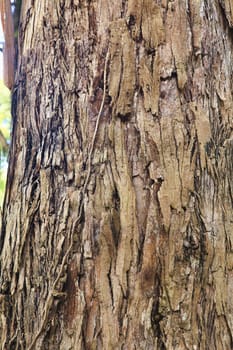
{"type": "Point", "coordinates": [5, 123]}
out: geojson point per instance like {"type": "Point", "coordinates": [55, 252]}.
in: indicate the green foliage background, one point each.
{"type": "Point", "coordinates": [5, 114]}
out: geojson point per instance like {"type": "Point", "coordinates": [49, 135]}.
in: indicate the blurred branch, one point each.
{"type": "Point", "coordinates": [3, 143]}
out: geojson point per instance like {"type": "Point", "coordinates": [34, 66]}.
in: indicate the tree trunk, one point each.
{"type": "Point", "coordinates": [117, 224]}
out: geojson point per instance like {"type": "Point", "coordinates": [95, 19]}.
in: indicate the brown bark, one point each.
{"type": "Point", "coordinates": [117, 223]}
{"type": "Point", "coordinates": [8, 49]}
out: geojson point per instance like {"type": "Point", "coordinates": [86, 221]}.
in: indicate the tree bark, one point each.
{"type": "Point", "coordinates": [117, 223]}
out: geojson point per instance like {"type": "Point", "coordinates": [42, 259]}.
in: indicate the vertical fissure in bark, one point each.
{"type": "Point", "coordinates": [117, 229]}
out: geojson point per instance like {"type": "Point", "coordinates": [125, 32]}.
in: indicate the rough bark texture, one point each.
{"type": "Point", "coordinates": [117, 226]}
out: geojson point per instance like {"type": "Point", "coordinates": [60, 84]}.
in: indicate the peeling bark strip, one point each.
{"type": "Point", "coordinates": [117, 224]}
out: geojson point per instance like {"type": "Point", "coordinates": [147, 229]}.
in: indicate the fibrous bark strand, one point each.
{"type": "Point", "coordinates": [117, 224]}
